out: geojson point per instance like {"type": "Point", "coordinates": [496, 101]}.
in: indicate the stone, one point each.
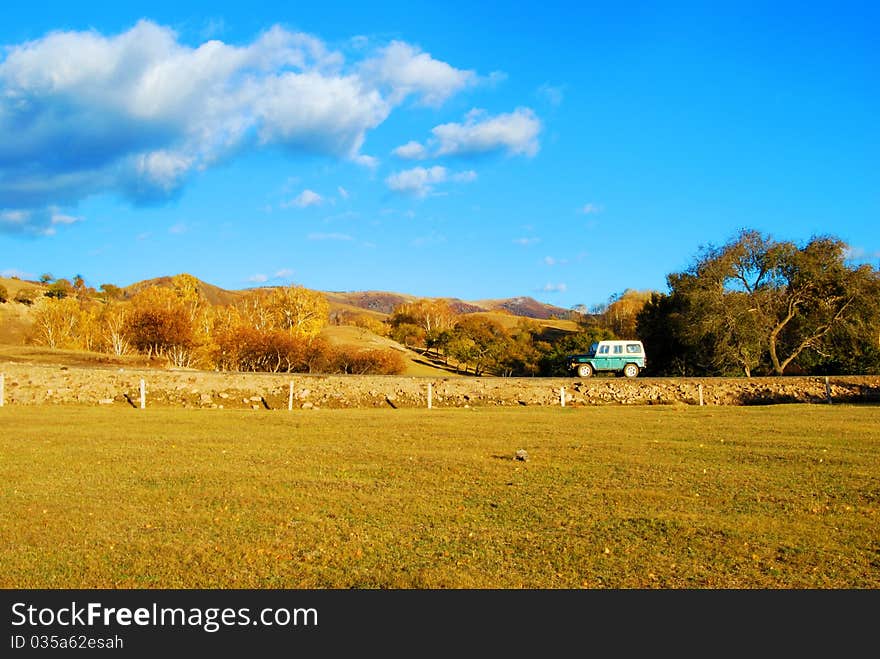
{"type": "Point", "coordinates": [522, 455]}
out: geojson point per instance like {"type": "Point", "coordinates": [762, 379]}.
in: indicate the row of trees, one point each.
{"type": "Point", "coordinates": [753, 306]}
{"type": "Point", "coordinates": [266, 330]}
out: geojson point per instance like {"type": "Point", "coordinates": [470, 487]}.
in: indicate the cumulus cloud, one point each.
{"type": "Point", "coordinates": [137, 113]}
{"type": "Point", "coordinates": [515, 133]}
{"type": "Point", "coordinates": [554, 288]}
{"type": "Point", "coordinates": [412, 150]}
{"type": "Point", "coordinates": [420, 181]}
{"type": "Point", "coordinates": [305, 199]}
{"type": "Point", "coordinates": [406, 71]}
{"type": "Point", "coordinates": [258, 278]}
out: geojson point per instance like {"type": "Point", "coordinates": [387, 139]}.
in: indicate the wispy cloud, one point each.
{"type": "Point", "coordinates": [342, 192]}
{"type": "Point", "coordinates": [552, 94]}
{"type": "Point", "coordinates": [526, 241]}
{"type": "Point", "coordinates": [258, 278]}
{"type": "Point", "coordinates": [304, 199]}
{"type": "Point", "coordinates": [591, 209]}
{"type": "Point", "coordinates": [421, 181]}
{"type": "Point", "coordinates": [12, 273]}
{"type": "Point", "coordinates": [329, 236]}
{"type": "Point", "coordinates": [553, 288]}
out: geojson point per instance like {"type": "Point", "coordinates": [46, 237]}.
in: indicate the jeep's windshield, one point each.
{"type": "Point", "coordinates": [593, 349]}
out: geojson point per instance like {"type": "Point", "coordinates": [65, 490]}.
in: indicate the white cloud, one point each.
{"type": "Point", "coordinates": [284, 273]}
{"type": "Point", "coordinates": [465, 177]}
{"type": "Point", "coordinates": [329, 236]}
{"type": "Point", "coordinates": [515, 133]}
{"type": "Point", "coordinates": [138, 112]}
{"type": "Point", "coordinates": [421, 181]}
{"type": "Point", "coordinates": [369, 162]}
{"type": "Point", "coordinates": [591, 209]}
{"type": "Point", "coordinates": [12, 273]}
{"type": "Point", "coordinates": [551, 261]}
{"type": "Point", "coordinates": [342, 192]}
{"type": "Point", "coordinates": [418, 181]}
{"type": "Point", "coordinates": [305, 199]}
{"type": "Point", "coordinates": [408, 71]}
{"type": "Point", "coordinates": [554, 288]}
{"type": "Point", "coordinates": [411, 151]}
{"type": "Point", "coordinates": [258, 278]}
{"type": "Point", "coordinates": [553, 94]}
{"type": "Point", "coordinates": [525, 242]}
{"type": "Point", "coordinates": [61, 218]}
{"type": "Point", "coordinates": [178, 228]}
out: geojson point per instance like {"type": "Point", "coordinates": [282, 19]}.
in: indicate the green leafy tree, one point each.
{"type": "Point", "coordinates": [759, 305]}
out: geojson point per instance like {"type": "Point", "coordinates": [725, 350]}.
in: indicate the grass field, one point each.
{"type": "Point", "coordinates": [670, 497]}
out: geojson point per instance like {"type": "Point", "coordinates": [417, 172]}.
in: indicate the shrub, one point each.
{"type": "Point", "coordinates": [4, 295]}
{"type": "Point", "coordinates": [27, 296]}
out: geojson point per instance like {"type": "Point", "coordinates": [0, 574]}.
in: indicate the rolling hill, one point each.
{"type": "Point", "coordinates": [16, 320]}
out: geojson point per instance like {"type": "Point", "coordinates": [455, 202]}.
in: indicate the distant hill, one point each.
{"type": "Point", "coordinates": [382, 302]}
{"type": "Point", "coordinates": [526, 306]}
{"type": "Point", "coordinates": [213, 294]}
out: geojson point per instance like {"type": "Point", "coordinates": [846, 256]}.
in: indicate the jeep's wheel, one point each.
{"type": "Point", "coordinates": [630, 370]}
{"type": "Point", "coordinates": [585, 370]}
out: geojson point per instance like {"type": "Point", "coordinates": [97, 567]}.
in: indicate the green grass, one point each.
{"type": "Point", "coordinates": [785, 496]}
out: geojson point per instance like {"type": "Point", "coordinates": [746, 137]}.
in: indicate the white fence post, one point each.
{"type": "Point", "coordinates": [430, 395]}
{"type": "Point", "coordinates": [827, 390]}
{"type": "Point", "coordinates": [290, 397]}
{"type": "Point", "coordinates": [701, 394]}
{"type": "Point", "coordinates": [562, 396]}
{"type": "Point", "coordinates": [143, 394]}
{"type": "Point", "coordinates": [2, 388]}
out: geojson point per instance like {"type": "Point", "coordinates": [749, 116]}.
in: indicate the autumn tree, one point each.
{"type": "Point", "coordinates": [619, 314]}
{"type": "Point", "coordinates": [479, 342]}
{"type": "Point", "coordinates": [113, 327]}
{"type": "Point", "coordinates": [160, 324]}
{"type": "Point", "coordinates": [56, 322]}
{"type": "Point", "coordinates": [421, 322]}
{"type": "Point", "coordinates": [298, 310]}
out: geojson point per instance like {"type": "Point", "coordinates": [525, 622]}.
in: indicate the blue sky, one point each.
{"type": "Point", "coordinates": [565, 151]}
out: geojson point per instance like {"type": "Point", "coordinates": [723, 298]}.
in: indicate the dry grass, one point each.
{"type": "Point", "coordinates": [624, 497]}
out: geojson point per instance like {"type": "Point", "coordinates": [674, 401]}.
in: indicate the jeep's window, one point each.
{"type": "Point", "coordinates": [593, 348]}
{"type": "Point", "coordinates": [618, 350]}
{"type": "Point", "coordinates": [603, 350]}
{"type": "Point", "coordinates": [633, 348]}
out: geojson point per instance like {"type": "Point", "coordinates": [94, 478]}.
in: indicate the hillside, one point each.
{"type": "Point", "coordinates": [16, 321]}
